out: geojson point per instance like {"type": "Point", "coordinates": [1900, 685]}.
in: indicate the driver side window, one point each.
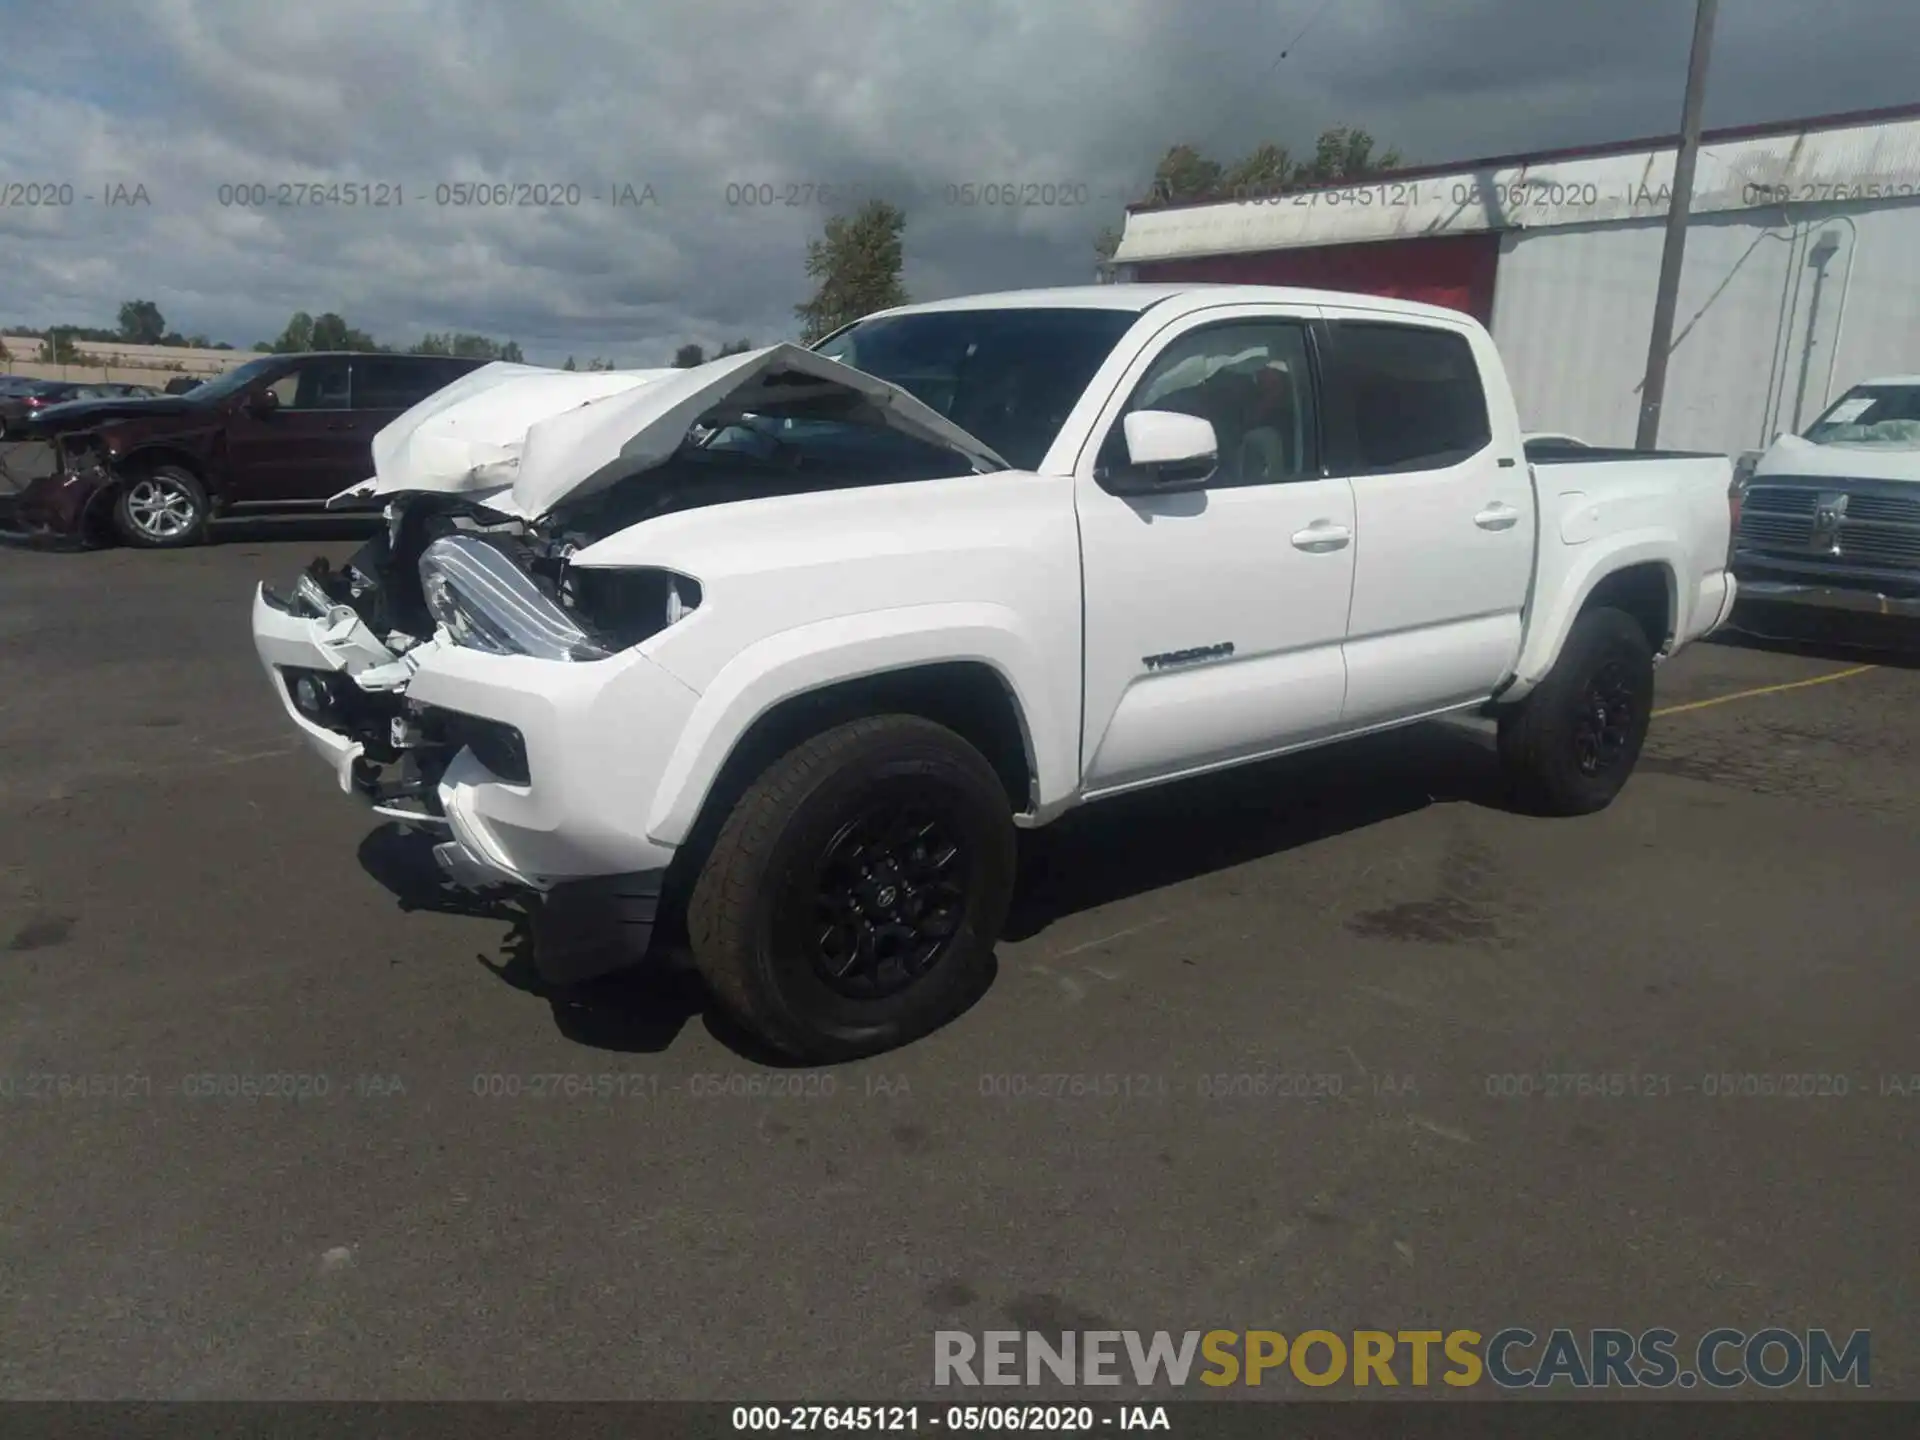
{"type": "Point", "coordinates": [315, 385]}
{"type": "Point", "coordinates": [1252, 381]}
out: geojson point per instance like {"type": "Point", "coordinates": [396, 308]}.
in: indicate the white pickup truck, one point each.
{"type": "Point", "coordinates": [782, 648]}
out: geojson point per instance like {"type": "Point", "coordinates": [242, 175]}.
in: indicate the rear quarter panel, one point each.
{"type": "Point", "coordinates": [1601, 516]}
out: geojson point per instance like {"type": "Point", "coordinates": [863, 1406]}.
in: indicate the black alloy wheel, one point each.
{"type": "Point", "coordinates": [1603, 719]}
{"type": "Point", "coordinates": [889, 895]}
{"type": "Point", "coordinates": [1570, 745]}
{"type": "Point", "coordinates": [853, 894]}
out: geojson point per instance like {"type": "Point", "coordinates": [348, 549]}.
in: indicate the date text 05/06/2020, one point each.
{"type": "Point", "coordinates": [960, 1419]}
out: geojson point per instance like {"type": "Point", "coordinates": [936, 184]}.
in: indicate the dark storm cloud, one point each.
{"type": "Point", "coordinates": [902, 99]}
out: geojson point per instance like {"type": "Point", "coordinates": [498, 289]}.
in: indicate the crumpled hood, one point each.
{"type": "Point", "coordinates": [541, 437]}
{"type": "Point", "coordinates": [466, 438]}
{"type": "Point", "coordinates": [1793, 455]}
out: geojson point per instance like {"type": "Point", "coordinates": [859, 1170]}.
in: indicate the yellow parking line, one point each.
{"type": "Point", "coordinates": [1765, 690]}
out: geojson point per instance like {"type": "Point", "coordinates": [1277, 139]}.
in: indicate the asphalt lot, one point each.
{"type": "Point", "coordinates": [182, 894]}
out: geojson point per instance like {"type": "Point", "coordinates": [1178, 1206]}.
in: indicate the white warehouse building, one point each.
{"type": "Point", "coordinates": [1802, 271]}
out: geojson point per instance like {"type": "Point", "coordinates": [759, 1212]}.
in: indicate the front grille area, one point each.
{"type": "Point", "coordinates": [1779, 500]}
{"type": "Point", "coordinates": [1890, 509]}
{"type": "Point", "coordinates": [1760, 530]}
{"type": "Point", "coordinates": [1876, 530]}
{"type": "Point", "coordinates": [1880, 543]}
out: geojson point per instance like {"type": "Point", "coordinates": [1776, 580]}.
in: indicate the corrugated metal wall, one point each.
{"type": "Point", "coordinates": [1766, 314]}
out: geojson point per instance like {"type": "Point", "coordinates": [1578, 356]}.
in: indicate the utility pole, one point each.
{"type": "Point", "coordinates": [1653, 391]}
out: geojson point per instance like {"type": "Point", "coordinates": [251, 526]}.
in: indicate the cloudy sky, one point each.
{"type": "Point", "coordinates": [691, 109]}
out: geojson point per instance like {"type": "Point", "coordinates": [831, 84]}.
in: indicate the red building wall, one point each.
{"type": "Point", "coordinates": [1452, 270]}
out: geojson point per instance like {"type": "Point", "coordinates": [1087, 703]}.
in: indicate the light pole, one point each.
{"type": "Point", "coordinates": [1653, 391]}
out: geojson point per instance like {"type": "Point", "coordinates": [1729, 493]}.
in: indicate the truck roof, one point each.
{"type": "Point", "coordinates": [1140, 297]}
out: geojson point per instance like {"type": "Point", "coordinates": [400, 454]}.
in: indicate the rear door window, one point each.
{"type": "Point", "coordinates": [1403, 397]}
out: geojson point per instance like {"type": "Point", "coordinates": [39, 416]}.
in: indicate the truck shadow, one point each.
{"type": "Point", "coordinates": [1130, 845]}
{"type": "Point", "coordinates": [1092, 857]}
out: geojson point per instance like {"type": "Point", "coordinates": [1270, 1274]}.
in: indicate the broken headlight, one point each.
{"type": "Point", "coordinates": [486, 602]}
{"type": "Point", "coordinates": [630, 606]}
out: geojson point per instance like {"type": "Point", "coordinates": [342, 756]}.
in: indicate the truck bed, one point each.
{"type": "Point", "coordinates": [1666, 514]}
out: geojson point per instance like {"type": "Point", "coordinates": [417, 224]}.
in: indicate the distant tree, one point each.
{"type": "Point", "coordinates": [569, 365]}
{"type": "Point", "coordinates": [734, 347]}
{"type": "Point", "coordinates": [1185, 174]}
{"type": "Point", "coordinates": [222, 345]}
{"type": "Point", "coordinates": [688, 356]}
{"type": "Point", "coordinates": [1342, 153]}
{"type": "Point", "coordinates": [298, 335]}
{"type": "Point", "coordinates": [856, 266]}
{"type": "Point", "coordinates": [5, 354]}
{"type": "Point", "coordinates": [57, 348]}
{"type": "Point", "coordinates": [141, 323]}
{"type": "Point", "coordinates": [598, 364]}
{"type": "Point", "coordinates": [1267, 170]}
{"type": "Point", "coordinates": [330, 332]}
{"type": "Point", "coordinates": [467, 346]}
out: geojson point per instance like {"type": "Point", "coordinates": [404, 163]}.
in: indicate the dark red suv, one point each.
{"type": "Point", "coordinates": [284, 432]}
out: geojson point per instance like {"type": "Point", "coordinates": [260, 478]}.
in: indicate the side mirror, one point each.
{"type": "Point", "coordinates": [262, 403]}
{"type": "Point", "coordinates": [1167, 452]}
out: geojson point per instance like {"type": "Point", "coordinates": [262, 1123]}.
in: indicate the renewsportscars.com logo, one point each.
{"type": "Point", "coordinates": [1514, 1358]}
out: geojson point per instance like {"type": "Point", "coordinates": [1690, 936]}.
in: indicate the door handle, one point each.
{"type": "Point", "coordinates": [1321, 537]}
{"type": "Point", "coordinates": [341, 425]}
{"type": "Point", "coordinates": [1497, 516]}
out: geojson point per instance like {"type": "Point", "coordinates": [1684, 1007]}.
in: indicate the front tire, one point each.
{"type": "Point", "coordinates": [1569, 747]}
{"type": "Point", "coordinates": [853, 896]}
{"type": "Point", "coordinates": [163, 509]}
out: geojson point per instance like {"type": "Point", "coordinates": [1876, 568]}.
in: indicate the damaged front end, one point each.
{"type": "Point", "coordinates": [68, 503]}
{"type": "Point", "coordinates": [344, 645]}
{"type": "Point", "coordinates": [446, 582]}
{"type": "Point", "coordinates": [480, 668]}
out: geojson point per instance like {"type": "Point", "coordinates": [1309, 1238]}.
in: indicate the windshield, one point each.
{"type": "Point", "coordinates": [1008, 377]}
{"type": "Point", "coordinates": [235, 380]}
{"type": "Point", "coordinates": [1886, 415]}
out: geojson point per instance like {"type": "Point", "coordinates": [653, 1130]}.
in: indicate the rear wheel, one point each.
{"type": "Point", "coordinates": [163, 509]}
{"type": "Point", "coordinates": [853, 896]}
{"type": "Point", "coordinates": [1569, 747]}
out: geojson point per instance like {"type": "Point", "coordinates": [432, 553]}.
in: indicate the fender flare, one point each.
{"type": "Point", "coordinates": [813, 657]}
{"type": "Point", "coordinates": [164, 451]}
{"type": "Point", "coordinates": [1590, 566]}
